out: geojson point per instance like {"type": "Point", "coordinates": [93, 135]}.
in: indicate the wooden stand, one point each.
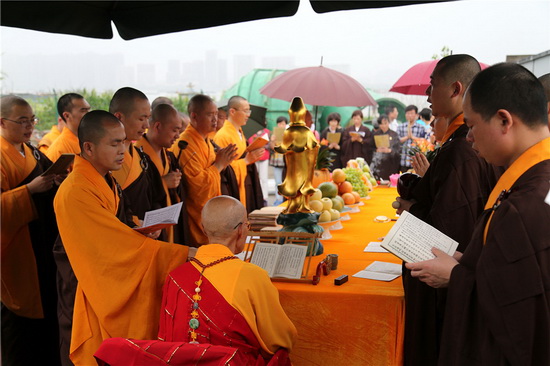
{"type": "Point", "coordinates": [279, 238]}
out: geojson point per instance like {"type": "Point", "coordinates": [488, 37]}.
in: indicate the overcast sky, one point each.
{"type": "Point", "coordinates": [379, 45]}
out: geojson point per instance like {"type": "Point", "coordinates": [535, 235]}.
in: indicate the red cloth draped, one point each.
{"type": "Point", "coordinates": [223, 335]}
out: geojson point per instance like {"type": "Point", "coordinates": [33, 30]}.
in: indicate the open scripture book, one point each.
{"type": "Point", "coordinates": [412, 240]}
{"type": "Point", "coordinates": [285, 260]}
{"type": "Point", "coordinates": [159, 219]}
{"type": "Point", "coordinates": [61, 165]}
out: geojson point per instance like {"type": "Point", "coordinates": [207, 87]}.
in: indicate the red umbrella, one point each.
{"type": "Point", "coordinates": [318, 86]}
{"type": "Point", "coordinates": [416, 80]}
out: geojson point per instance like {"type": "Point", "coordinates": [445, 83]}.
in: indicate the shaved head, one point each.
{"type": "Point", "coordinates": [545, 81]}
{"type": "Point", "coordinates": [461, 68]}
{"type": "Point", "coordinates": [162, 112]}
{"type": "Point", "coordinates": [8, 101]}
{"type": "Point", "coordinates": [93, 126]}
{"type": "Point", "coordinates": [161, 100]}
{"type": "Point", "coordinates": [220, 215]}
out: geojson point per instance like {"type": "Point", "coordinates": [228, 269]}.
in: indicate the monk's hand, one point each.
{"type": "Point", "coordinates": [59, 178]}
{"type": "Point", "coordinates": [172, 179]}
{"type": "Point", "coordinates": [254, 155]}
{"type": "Point", "coordinates": [434, 272]}
{"type": "Point", "coordinates": [420, 164]}
{"type": "Point", "coordinates": [225, 156]}
{"type": "Point", "coordinates": [403, 205]}
{"type": "Point", "coordinates": [154, 234]}
{"type": "Point", "coordinates": [41, 183]}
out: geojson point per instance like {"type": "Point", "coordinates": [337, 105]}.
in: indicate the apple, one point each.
{"type": "Point", "coordinates": [327, 203]}
{"type": "Point", "coordinates": [317, 195]}
{"type": "Point", "coordinates": [325, 216]}
{"type": "Point", "coordinates": [334, 215]}
{"type": "Point", "coordinates": [316, 205]}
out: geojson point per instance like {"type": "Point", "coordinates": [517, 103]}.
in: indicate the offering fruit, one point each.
{"type": "Point", "coordinates": [316, 205]}
{"type": "Point", "coordinates": [316, 196]}
{"type": "Point", "coordinates": [354, 177]}
{"type": "Point", "coordinates": [334, 215]}
{"type": "Point", "coordinates": [357, 197]}
{"type": "Point", "coordinates": [328, 189]}
{"type": "Point", "coordinates": [327, 203]}
{"type": "Point", "coordinates": [349, 199]}
{"type": "Point", "coordinates": [345, 187]}
{"type": "Point", "coordinates": [338, 176]}
{"type": "Point", "coordinates": [325, 216]}
{"type": "Point", "coordinates": [337, 204]}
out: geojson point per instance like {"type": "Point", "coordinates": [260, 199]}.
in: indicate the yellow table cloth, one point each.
{"type": "Point", "coordinates": [362, 321]}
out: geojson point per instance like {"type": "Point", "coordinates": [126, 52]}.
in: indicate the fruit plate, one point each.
{"type": "Point", "coordinates": [353, 208]}
{"type": "Point", "coordinates": [332, 225]}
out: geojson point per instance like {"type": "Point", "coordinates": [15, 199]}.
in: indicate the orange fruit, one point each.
{"type": "Point", "coordinates": [349, 199]}
{"type": "Point", "coordinates": [357, 196]}
{"type": "Point", "coordinates": [345, 187]}
{"type": "Point", "coordinates": [338, 176]}
{"type": "Point", "coordinates": [352, 164]}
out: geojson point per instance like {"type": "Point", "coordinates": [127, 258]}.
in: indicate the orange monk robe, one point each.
{"type": "Point", "coordinates": [131, 168]}
{"type": "Point", "coordinates": [228, 134]}
{"type": "Point", "coordinates": [66, 143]}
{"type": "Point", "coordinates": [48, 139]}
{"type": "Point", "coordinates": [163, 168]}
{"type": "Point", "coordinates": [202, 179]}
{"type": "Point", "coordinates": [120, 272]}
{"type": "Point", "coordinates": [20, 294]}
{"type": "Point", "coordinates": [248, 289]}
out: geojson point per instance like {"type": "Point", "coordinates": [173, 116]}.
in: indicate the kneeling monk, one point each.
{"type": "Point", "coordinates": [216, 308]}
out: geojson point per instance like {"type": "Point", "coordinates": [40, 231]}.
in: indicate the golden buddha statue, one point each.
{"type": "Point", "coordinates": [300, 149]}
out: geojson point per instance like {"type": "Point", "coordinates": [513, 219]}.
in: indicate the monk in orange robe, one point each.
{"type": "Point", "coordinates": [29, 315]}
{"type": "Point", "coordinates": [164, 130]}
{"type": "Point", "coordinates": [71, 108]}
{"type": "Point", "coordinates": [216, 308]}
{"type": "Point", "coordinates": [200, 165]}
{"type": "Point", "coordinates": [141, 185]}
{"type": "Point", "coordinates": [232, 133]}
{"type": "Point", "coordinates": [48, 139]}
{"type": "Point", "coordinates": [120, 272]}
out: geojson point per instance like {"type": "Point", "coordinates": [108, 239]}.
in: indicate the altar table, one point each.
{"type": "Point", "coordinates": [362, 321]}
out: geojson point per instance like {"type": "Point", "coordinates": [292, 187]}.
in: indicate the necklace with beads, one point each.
{"type": "Point", "coordinates": [194, 321]}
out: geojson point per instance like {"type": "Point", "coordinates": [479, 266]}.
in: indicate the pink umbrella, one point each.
{"type": "Point", "coordinates": [319, 86]}
{"type": "Point", "coordinates": [416, 80]}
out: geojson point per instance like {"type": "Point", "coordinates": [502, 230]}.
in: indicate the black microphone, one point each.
{"type": "Point", "coordinates": [182, 144]}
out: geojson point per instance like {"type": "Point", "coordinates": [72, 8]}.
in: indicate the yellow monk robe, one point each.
{"type": "Point", "coordinates": [20, 294]}
{"type": "Point", "coordinates": [228, 134]}
{"type": "Point", "coordinates": [163, 169]}
{"type": "Point", "coordinates": [202, 179]}
{"type": "Point", "coordinates": [120, 272]}
{"type": "Point", "coordinates": [66, 143]}
{"type": "Point", "coordinates": [48, 139]}
{"type": "Point", "coordinates": [248, 289]}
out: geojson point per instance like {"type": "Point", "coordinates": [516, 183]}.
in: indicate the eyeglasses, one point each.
{"type": "Point", "coordinates": [29, 122]}
{"type": "Point", "coordinates": [248, 112]}
{"type": "Point", "coordinates": [247, 223]}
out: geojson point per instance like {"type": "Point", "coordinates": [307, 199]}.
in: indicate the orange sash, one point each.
{"type": "Point", "coordinates": [531, 157]}
{"type": "Point", "coordinates": [453, 126]}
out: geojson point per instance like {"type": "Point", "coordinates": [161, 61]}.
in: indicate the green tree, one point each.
{"type": "Point", "coordinates": [445, 51]}
{"type": "Point", "coordinates": [45, 107]}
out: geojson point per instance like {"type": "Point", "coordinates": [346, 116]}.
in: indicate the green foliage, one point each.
{"type": "Point", "coordinates": [45, 107]}
{"type": "Point", "coordinates": [325, 158]}
{"type": "Point", "coordinates": [445, 51]}
{"type": "Point", "coordinates": [180, 103]}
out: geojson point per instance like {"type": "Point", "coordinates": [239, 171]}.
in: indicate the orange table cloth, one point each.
{"type": "Point", "coordinates": [362, 321]}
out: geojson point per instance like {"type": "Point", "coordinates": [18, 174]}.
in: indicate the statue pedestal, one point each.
{"type": "Point", "coordinates": [303, 223]}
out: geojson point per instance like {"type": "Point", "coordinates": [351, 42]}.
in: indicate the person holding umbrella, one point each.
{"type": "Point", "coordinates": [356, 140]}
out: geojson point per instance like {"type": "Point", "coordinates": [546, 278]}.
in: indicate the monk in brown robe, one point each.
{"type": "Point", "coordinates": [71, 108]}
{"type": "Point", "coordinates": [120, 272]}
{"type": "Point", "coordinates": [498, 303]}
{"type": "Point", "coordinates": [164, 130]}
{"type": "Point", "coordinates": [199, 163]}
{"type": "Point", "coordinates": [450, 196]}
{"type": "Point", "coordinates": [232, 133]}
{"type": "Point", "coordinates": [29, 319]}
{"type": "Point", "coordinates": [142, 186]}
{"type": "Point", "coordinates": [356, 140]}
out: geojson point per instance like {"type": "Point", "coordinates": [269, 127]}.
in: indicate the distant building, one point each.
{"type": "Point", "coordinates": [538, 64]}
